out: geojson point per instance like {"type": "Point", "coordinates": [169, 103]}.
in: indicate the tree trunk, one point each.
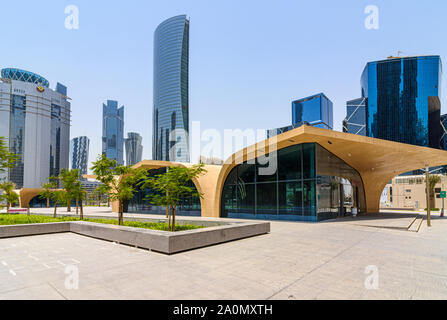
{"type": "Point", "coordinates": [82, 210]}
{"type": "Point", "coordinates": [108, 201]}
{"type": "Point", "coordinates": [120, 212]}
{"type": "Point", "coordinates": [55, 206]}
{"type": "Point", "coordinates": [7, 207]}
{"type": "Point", "coordinates": [69, 205]}
{"type": "Point", "coordinates": [48, 202]}
{"type": "Point", "coordinates": [77, 207]}
{"type": "Point", "coordinates": [173, 219]}
{"type": "Point", "coordinates": [169, 217]}
{"type": "Point", "coordinates": [28, 211]}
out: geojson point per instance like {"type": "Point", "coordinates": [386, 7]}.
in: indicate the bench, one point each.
{"type": "Point", "coordinates": [18, 210]}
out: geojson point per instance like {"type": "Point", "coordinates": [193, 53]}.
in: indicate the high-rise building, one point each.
{"type": "Point", "coordinates": [444, 132]}
{"type": "Point", "coordinates": [317, 110]}
{"type": "Point", "coordinates": [171, 92]}
{"type": "Point", "coordinates": [79, 148]}
{"type": "Point", "coordinates": [35, 120]}
{"type": "Point", "coordinates": [403, 99]}
{"type": "Point", "coordinates": [134, 148]}
{"type": "Point", "coordinates": [356, 117]}
{"type": "Point", "coordinates": [113, 131]}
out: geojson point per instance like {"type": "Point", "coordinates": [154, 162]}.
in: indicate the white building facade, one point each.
{"type": "Point", "coordinates": [35, 120]}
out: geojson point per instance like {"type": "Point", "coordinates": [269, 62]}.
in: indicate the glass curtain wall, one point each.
{"type": "Point", "coordinates": [187, 207]}
{"type": "Point", "coordinates": [297, 191]}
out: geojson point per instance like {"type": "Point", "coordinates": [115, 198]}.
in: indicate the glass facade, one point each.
{"type": "Point", "coordinates": [113, 131]}
{"type": "Point", "coordinates": [25, 76]}
{"type": "Point", "coordinates": [356, 117]}
{"type": "Point", "coordinates": [17, 138]}
{"type": "Point", "coordinates": [187, 207]}
{"type": "Point", "coordinates": [55, 140]}
{"type": "Point", "coordinates": [134, 148]}
{"type": "Point", "coordinates": [317, 110]}
{"type": "Point", "coordinates": [404, 99]}
{"type": "Point", "coordinates": [310, 184]}
{"type": "Point", "coordinates": [444, 132]}
{"type": "Point", "coordinates": [79, 148]}
{"type": "Point", "coordinates": [171, 90]}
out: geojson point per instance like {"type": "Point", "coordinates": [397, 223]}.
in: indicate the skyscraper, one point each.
{"type": "Point", "coordinates": [79, 148]}
{"type": "Point", "coordinates": [113, 131]}
{"type": "Point", "coordinates": [444, 132]}
{"type": "Point", "coordinates": [171, 92]}
{"type": "Point", "coordinates": [35, 120]}
{"type": "Point", "coordinates": [356, 117]}
{"type": "Point", "coordinates": [403, 98]}
{"type": "Point", "coordinates": [134, 148]}
{"type": "Point", "coordinates": [316, 109]}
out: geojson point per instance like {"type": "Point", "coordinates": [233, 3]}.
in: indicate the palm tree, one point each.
{"type": "Point", "coordinates": [58, 196]}
{"type": "Point", "coordinates": [9, 194]}
{"type": "Point", "coordinates": [46, 192]}
{"type": "Point", "coordinates": [79, 194]}
{"type": "Point", "coordinates": [69, 179]}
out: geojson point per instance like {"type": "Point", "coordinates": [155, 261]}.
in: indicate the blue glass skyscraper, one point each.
{"type": "Point", "coordinates": [403, 95]}
{"type": "Point", "coordinates": [356, 117]}
{"type": "Point", "coordinates": [113, 131]}
{"type": "Point", "coordinates": [316, 109]}
{"type": "Point", "coordinates": [171, 87]}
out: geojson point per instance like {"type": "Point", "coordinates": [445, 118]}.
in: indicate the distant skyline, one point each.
{"type": "Point", "coordinates": [248, 60]}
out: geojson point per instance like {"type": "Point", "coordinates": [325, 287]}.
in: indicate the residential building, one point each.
{"type": "Point", "coordinates": [79, 148]}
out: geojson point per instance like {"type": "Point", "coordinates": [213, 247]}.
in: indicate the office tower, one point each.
{"type": "Point", "coordinates": [356, 117]}
{"type": "Point", "coordinates": [79, 148]}
{"type": "Point", "coordinates": [317, 110]}
{"type": "Point", "coordinates": [171, 92]}
{"type": "Point", "coordinates": [113, 131]}
{"type": "Point", "coordinates": [403, 96]}
{"type": "Point", "coordinates": [134, 148]}
{"type": "Point", "coordinates": [35, 120]}
{"type": "Point", "coordinates": [444, 132]}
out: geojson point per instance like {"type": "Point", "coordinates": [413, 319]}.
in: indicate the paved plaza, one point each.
{"type": "Point", "coordinates": [295, 261]}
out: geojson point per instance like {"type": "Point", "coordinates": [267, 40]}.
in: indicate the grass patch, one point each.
{"type": "Point", "coordinates": [13, 219]}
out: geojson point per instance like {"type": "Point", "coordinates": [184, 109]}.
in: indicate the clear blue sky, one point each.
{"type": "Point", "coordinates": [248, 59]}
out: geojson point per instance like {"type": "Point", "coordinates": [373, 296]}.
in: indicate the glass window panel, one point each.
{"type": "Point", "coordinates": [309, 206]}
{"type": "Point", "coordinates": [267, 199]}
{"type": "Point", "coordinates": [290, 199]}
{"type": "Point", "coordinates": [268, 172]}
{"type": "Point", "coordinates": [289, 163]}
{"type": "Point", "coordinates": [308, 161]}
{"type": "Point", "coordinates": [246, 173]}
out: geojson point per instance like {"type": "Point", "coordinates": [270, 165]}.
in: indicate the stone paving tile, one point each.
{"type": "Point", "coordinates": [294, 261]}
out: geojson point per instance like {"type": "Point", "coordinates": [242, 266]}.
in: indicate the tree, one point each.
{"type": "Point", "coordinates": [59, 197]}
{"type": "Point", "coordinates": [119, 182]}
{"type": "Point", "coordinates": [9, 194]}
{"type": "Point", "coordinates": [7, 159]}
{"type": "Point", "coordinates": [433, 180]}
{"type": "Point", "coordinates": [173, 186]}
{"type": "Point", "coordinates": [79, 194]}
{"type": "Point", "coordinates": [69, 178]}
{"type": "Point", "coordinates": [100, 191]}
{"type": "Point", "coordinates": [45, 194]}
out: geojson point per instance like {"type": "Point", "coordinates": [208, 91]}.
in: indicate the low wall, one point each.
{"type": "Point", "coordinates": [156, 240]}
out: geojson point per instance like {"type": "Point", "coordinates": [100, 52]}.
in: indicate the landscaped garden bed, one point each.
{"type": "Point", "coordinates": [16, 219]}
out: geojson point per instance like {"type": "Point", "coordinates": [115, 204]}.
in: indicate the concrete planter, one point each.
{"type": "Point", "coordinates": [160, 241]}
